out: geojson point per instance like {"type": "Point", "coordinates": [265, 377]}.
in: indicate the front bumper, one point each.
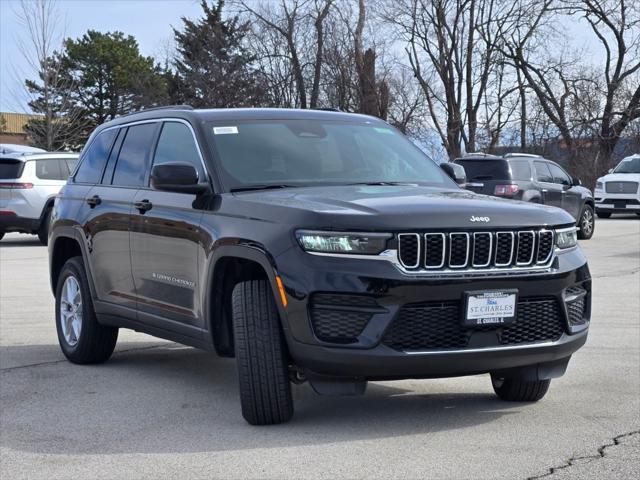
{"type": "Point", "coordinates": [617, 203]}
{"type": "Point", "coordinates": [372, 357]}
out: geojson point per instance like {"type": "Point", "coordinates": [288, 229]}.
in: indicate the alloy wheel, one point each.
{"type": "Point", "coordinates": [71, 310]}
{"type": "Point", "coordinates": [586, 224]}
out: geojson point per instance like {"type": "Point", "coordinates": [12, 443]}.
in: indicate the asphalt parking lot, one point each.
{"type": "Point", "coordinates": [160, 410]}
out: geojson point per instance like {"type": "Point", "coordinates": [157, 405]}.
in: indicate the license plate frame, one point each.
{"type": "Point", "coordinates": [480, 298]}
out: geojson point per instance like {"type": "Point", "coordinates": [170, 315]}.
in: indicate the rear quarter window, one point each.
{"type": "Point", "coordinates": [520, 170]}
{"type": "Point", "coordinates": [49, 169]}
{"type": "Point", "coordinates": [11, 168]}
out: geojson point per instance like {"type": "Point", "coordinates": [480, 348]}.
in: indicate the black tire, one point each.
{"type": "Point", "coordinates": [43, 233]}
{"type": "Point", "coordinates": [587, 223]}
{"type": "Point", "coordinates": [261, 358]}
{"type": "Point", "coordinates": [96, 342]}
{"type": "Point", "coordinates": [1, 235]}
{"type": "Point", "coordinates": [517, 390]}
{"type": "Point", "coordinates": [603, 214]}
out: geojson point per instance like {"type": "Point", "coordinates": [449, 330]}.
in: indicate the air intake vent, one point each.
{"type": "Point", "coordinates": [482, 243]}
{"type": "Point", "coordinates": [545, 246]}
{"type": "Point", "coordinates": [409, 249]}
{"type": "Point", "coordinates": [458, 250]}
{"type": "Point", "coordinates": [526, 244]}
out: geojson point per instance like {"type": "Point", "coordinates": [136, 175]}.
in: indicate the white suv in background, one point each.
{"type": "Point", "coordinates": [619, 191]}
{"type": "Point", "coordinates": [29, 183]}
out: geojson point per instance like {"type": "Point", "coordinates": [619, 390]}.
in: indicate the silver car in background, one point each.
{"type": "Point", "coordinates": [29, 183]}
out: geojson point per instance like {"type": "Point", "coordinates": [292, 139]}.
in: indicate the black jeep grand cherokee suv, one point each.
{"type": "Point", "coordinates": [310, 245]}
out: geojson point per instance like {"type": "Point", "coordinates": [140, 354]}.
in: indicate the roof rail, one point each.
{"type": "Point", "coordinates": [478, 154]}
{"type": "Point", "coordinates": [164, 107]}
{"type": "Point", "coordinates": [516, 154]}
{"type": "Point", "coordinates": [329, 109]}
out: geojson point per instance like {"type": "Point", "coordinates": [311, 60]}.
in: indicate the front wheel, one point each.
{"type": "Point", "coordinates": [82, 339]}
{"type": "Point", "coordinates": [263, 369]}
{"type": "Point", "coordinates": [587, 224]}
{"type": "Point", "coordinates": [518, 390]}
{"type": "Point", "coordinates": [603, 214]}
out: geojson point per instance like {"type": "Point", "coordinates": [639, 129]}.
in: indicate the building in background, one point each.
{"type": "Point", "coordinates": [12, 127]}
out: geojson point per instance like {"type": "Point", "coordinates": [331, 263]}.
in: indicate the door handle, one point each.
{"type": "Point", "coordinates": [93, 201]}
{"type": "Point", "coordinates": [143, 205]}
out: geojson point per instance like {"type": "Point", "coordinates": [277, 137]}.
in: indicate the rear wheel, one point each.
{"type": "Point", "coordinates": [587, 224]}
{"type": "Point", "coordinates": [43, 233]}
{"type": "Point", "coordinates": [82, 339]}
{"type": "Point", "coordinates": [603, 214]}
{"type": "Point", "coordinates": [263, 369]}
{"type": "Point", "coordinates": [518, 390]}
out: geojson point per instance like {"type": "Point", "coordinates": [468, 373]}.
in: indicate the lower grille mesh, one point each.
{"type": "Point", "coordinates": [437, 326]}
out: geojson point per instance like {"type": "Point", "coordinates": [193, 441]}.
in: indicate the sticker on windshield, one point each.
{"type": "Point", "coordinates": [383, 130]}
{"type": "Point", "coordinates": [225, 130]}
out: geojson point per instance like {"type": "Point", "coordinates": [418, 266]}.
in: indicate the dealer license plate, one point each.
{"type": "Point", "coordinates": [490, 308]}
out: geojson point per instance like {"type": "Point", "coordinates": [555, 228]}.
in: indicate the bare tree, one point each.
{"type": "Point", "coordinates": [49, 95]}
{"type": "Point", "coordinates": [452, 47]}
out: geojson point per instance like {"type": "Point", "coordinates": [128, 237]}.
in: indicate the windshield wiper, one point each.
{"type": "Point", "coordinates": [260, 187]}
{"type": "Point", "coordinates": [386, 183]}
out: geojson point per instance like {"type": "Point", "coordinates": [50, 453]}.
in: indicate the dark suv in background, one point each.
{"type": "Point", "coordinates": [531, 178]}
{"type": "Point", "coordinates": [310, 245]}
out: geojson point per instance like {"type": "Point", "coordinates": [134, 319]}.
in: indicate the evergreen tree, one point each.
{"type": "Point", "coordinates": [213, 66]}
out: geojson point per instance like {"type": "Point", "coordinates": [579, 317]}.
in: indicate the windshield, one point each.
{"type": "Point", "coordinates": [264, 153]}
{"type": "Point", "coordinates": [628, 166]}
{"type": "Point", "coordinates": [484, 169]}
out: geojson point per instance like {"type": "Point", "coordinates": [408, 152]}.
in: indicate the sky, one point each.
{"type": "Point", "coordinates": [149, 21]}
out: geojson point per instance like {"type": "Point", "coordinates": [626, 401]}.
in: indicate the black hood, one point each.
{"type": "Point", "coordinates": [394, 208]}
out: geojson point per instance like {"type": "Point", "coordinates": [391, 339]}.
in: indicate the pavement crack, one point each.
{"type": "Point", "coordinates": [53, 362]}
{"type": "Point", "coordinates": [600, 453]}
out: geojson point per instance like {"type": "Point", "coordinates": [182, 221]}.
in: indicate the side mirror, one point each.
{"type": "Point", "coordinates": [455, 171]}
{"type": "Point", "coordinates": [610, 170]}
{"type": "Point", "coordinates": [576, 182]}
{"type": "Point", "coordinates": [176, 177]}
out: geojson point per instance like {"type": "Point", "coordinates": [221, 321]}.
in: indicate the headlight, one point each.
{"type": "Point", "coordinates": [566, 238]}
{"type": "Point", "coordinates": [343, 242]}
{"type": "Point", "coordinates": [599, 186]}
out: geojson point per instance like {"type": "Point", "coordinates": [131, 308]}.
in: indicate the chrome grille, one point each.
{"type": "Point", "coordinates": [435, 251]}
{"type": "Point", "coordinates": [621, 187]}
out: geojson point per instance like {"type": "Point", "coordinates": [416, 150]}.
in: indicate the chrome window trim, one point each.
{"type": "Point", "coordinates": [418, 255]}
{"type": "Point", "coordinates": [139, 122]}
{"type": "Point", "coordinates": [473, 264]}
{"type": "Point", "coordinates": [533, 248]}
{"type": "Point", "coordinates": [444, 250]}
{"type": "Point", "coordinates": [466, 258]}
{"type": "Point", "coordinates": [553, 245]}
{"type": "Point", "coordinates": [513, 244]}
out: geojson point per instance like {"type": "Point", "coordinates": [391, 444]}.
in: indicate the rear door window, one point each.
{"type": "Point", "coordinates": [94, 159]}
{"type": "Point", "coordinates": [10, 168]}
{"type": "Point", "coordinates": [520, 170]}
{"type": "Point", "coordinates": [131, 167]}
{"type": "Point", "coordinates": [483, 169]}
{"type": "Point", "coordinates": [542, 172]}
{"type": "Point", "coordinates": [49, 169]}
